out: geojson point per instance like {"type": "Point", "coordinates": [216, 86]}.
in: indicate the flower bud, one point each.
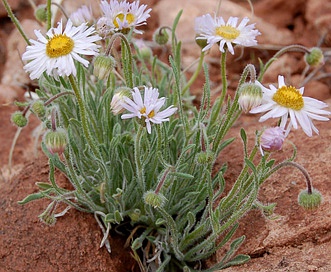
{"type": "Point", "coordinates": [315, 57]}
{"type": "Point", "coordinates": [272, 139]}
{"type": "Point", "coordinates": [135, 215]}
{"type": "Point", "coordinates": [161, 36]}
{"type": "Point", "coordinates": [19, 119]}
{"type": "Point", "coordinates": [103, 66]}
{"type": "Point", "coordinates": [38, 108]}
{"type": "Point", "coordinates": [41, 13]}
{"type": "Point", "coordinates": [153, 199]}
{"type": "Point", "coordinates": [309, 201]}
{"type": "Point", "coordinates": [250, 96]}
{"type": "Point", "coordinates": [118, 99]}
{"type": "Point", "coordinates": [205, 157]}
{"type": "Point", "coordinates": [56, 141]}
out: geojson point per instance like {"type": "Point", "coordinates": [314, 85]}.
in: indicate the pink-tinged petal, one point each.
{"type": "Point", "coordinates": [293, 119]}
{"type": "Point", "coordinates": [305, 123]}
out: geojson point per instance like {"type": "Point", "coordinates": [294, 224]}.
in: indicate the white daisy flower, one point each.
{"type": "Point", "coordinates": [55, 53]}
{"type": "Point", "coordinates": [122, 16]}
{"type": "Point", "coordinates": [215, 30]}
{"type": "Point", "coordinates": [287, 101]}
{"type": "Point", "coordinates": [147, 108]}
{"type": "Point", "coordinates": [81, 16]}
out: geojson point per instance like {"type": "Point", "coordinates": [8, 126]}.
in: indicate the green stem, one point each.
{"type": "Point", "coordinates": [299, 167]}
{"type": "Point", "coordinates": [128, 70]}
{"type": "Point", "coordinates": [82, 111]}
{"type": "Point", "coordinates": [231, 195]}
{"type": "Point", "coordinates": [223, 73]}
{"type": "Point", "coordinates": [137, 157]}
{"type": "Point", "coordinates": [15, 21]}
{"type": "Point", "coordinates": [50, 100]}
{"type": "Point", "coordinates": [195, 74]}
{"type": "Point", "coordinates": [49, 14]}
{"type": "Point", "coordinates": [219, 101]}
{"type": "Point", "coordinates": [294, 47]}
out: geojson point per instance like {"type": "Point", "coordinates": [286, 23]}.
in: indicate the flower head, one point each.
{"type": "Point", "coordinates": [287, 102]}
{"type": "Point", "coordinates": [55, 53]}
{"type": "Point", "coordinates": [122, 16]}
{"type": "Point", "coordinates": [272, 139]}
{"type": "Point", "coordinates": [215, 30]}
{"type": "Point", "coordinates": [81, 16]}
{"type": "Point", "coordinates": [147, 108]}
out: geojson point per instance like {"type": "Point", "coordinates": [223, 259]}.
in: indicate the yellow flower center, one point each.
{"type": "Point", "coordinates": [227, 32]}
{"type": "Point", "coordinates": [129, 18]}
{"type": "Point", "coordinates": [59, 45]}
{"type": "Point", "coordinates": [150, 115]}
{"type": "Point", "coordinates": [143, 110]}
{"type": "Point", "coordinates": [289, 97]}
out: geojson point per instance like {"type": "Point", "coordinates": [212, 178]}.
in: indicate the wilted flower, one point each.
{"type": "Point", "coordinates": [55, 53]}
{"type": "Point", "coordinates": [147, 109]}
{"type": "Point", "coordinates": [122, 16]}
{"type": "Point", "coordinates": [272, 139]}
{"type": "Point", "coordinates": [81, 16]}
{"type": "Point", "coordinates": [287, 101]}
{"type": "Point", "coordinates": [215, 30]}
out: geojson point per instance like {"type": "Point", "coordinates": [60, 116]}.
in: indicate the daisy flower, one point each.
{"type": "Point", "coordinates": [148, 108]}
{"type": "Point", "coordinates": [122, 16]}
{"type": "Point", "coordinates": [215, 30]}
{"type": "Point", "coordinates": [287, 102]}
{"type": "Point", "coordinates": [55, 53]}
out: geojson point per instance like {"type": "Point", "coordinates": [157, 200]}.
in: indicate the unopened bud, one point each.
{"type": "Point", "coordinates": [250, 96]}
{"type": "Point", "coordinates": [205, 157]}
{"type": "Point", "coordinates": [272, 139]}
{"type": "Point", "coordinates": [38, 108]}
{"type": "Point", "coordinates": [118, 98]}
{"type": "Point", "coordinates": [315, 57]}
{"type": "Point", "coordinates": [153, 199]}
{"type": "Point", "coordinates": [56, 141]}
{"type": "Point", "coordinates": [19, 119]}
{"type": "Point", "coordinates": [103, 66]}
{"type": "Point", "coordinates": [135, 215]}
{"type": "Point", "coordinates": [161, 36]}
{"type": "Point", "coordinates": [310, 200]}
{"type": "Point", "coordinates": [41, 13]}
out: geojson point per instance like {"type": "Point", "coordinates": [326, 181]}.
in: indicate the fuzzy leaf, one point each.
{"type": "Point", "coordinates": [34, 196]}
